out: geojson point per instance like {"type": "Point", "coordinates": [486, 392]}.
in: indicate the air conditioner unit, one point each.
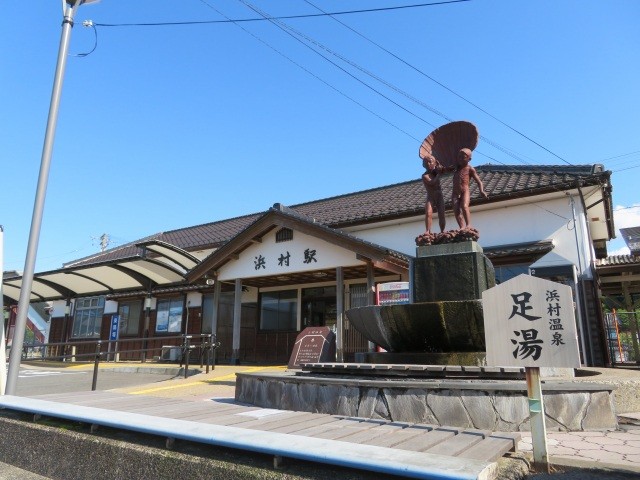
{"type": "Point", "coordinates": [170, 353]}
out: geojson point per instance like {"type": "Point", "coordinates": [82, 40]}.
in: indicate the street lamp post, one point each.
{"type": "Point", "coordinates": [69, 9]}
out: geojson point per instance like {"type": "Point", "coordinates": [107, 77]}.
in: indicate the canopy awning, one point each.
{"type": "Point", "coordinates": [161, 265]}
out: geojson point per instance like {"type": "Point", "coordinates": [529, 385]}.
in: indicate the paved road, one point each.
{"type": "Point", "coordinates": [9, 472]}
{"type": "Point", "coordinates": [35, 380]}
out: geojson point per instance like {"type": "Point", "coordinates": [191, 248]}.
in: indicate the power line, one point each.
{"type": "Point", "coordinates": [332, 15]}
{"type": "Point", "coordinates": [287, 29]}
{"type": "Point", "coordinates": [625, 169]}
{"type": "Point", "coordinates": [620, 156]}
{"type": "Point", "coordinates": [618, 160]}
{"type": "Point", "coordinates": [314, 75]}
{"type": "Point", "coordinates": [494, 144]}
{"type": "Point", "coordinates": [626, 208]}
{"type": "Point", "coordinates": [297, 35]}
{"type": "Point", "coordinates": [444, 86]}
{"type": "Point", "coordinates": [286, 17]}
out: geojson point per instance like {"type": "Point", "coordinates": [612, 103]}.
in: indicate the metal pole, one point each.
{"type": "Point", "coordinates": [36, 219]}
{"type": "Point", "coordinates": [581, 308]}
{"type": "Point", "coordinates": [536, 420]}
{"type": "Point", "coordinates": [3, 342]}
{"type": "Point", "coordinates": [187, 354]}
{"type": "Point", "coordinates": [96, 366]}
{"type": "Point", "coordinates": [208, 352]}
{"type": "Point", "coordinates": [213, 352]}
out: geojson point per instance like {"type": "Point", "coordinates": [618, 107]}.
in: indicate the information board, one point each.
{"type": "Point", "coordinates": [313, 345]}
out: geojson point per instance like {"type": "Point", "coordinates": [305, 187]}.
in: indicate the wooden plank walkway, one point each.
{"type": "Point", "coordinates": [419, 450]}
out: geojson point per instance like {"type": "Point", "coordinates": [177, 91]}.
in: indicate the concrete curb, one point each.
{"type": "Point", "coordinates": [176, 371]}
{"type": "Point", "coordinates": [63, 451]}
{"type": "Point", "coordinates": [152, 368]}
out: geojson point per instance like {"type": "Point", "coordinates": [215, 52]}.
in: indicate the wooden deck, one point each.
{"type": "Point", "coordinates": [471, 453]}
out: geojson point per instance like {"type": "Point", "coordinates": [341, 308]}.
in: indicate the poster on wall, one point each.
{"type": "Point", "coordinates": [175, 319]}
{"type": "Point", "coordinates": [162, 321]}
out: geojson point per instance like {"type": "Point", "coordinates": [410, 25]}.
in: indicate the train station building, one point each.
{"type": "Point", "coordinates": [257, 280]}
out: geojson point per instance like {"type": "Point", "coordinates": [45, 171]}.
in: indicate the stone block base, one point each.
{"type": "Point", "coordinates": [487, 405]}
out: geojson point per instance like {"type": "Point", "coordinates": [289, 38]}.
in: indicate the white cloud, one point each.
{"type": "Point", "coordinates": [619, 251]}
{"type": "Point", "coordinates": [625, 217]}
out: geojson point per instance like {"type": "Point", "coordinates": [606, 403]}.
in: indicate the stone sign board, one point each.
{"type": "Point", "coordinates": [313, 345]}
{"type": "Point", "coordinates": [530, 322]}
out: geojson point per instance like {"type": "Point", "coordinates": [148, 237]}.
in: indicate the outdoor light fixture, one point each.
{"type": "Point", "coordinates": [77, 3]}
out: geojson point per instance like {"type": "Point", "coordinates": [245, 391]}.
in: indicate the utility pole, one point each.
{"type": "Point", "coordinates": [69, 9]}
{"type": "Point", "coordinates": [104, 241]}
{"type": "Point", "coordinates": [3, 341]}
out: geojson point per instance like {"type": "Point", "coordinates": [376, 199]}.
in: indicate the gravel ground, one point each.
{"type": "Point", "coordinates": [9, 472]}
{"type": "Point", "coordinates": [626, 380]}
{"type": "Point", "coordinates": [583, 474]}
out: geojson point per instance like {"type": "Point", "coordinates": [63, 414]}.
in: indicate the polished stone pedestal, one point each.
{"type": "Point", "coordinates": [451, 272]}
{"type": "Point", "coordinates": [446, 316]}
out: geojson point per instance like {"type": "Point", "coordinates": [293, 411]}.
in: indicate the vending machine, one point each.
{"type": "Point", "coordinates": [392, 293]}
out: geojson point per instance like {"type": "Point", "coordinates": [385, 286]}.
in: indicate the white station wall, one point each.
{"type": "Point", "coordinates": [503, 225]}
{"type": "Point", "coordinates": [304, 253]}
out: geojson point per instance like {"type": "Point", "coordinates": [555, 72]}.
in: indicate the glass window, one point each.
{"type": "Point", "coordinates": [358, 295]}
{"type": "Point", "coordinates": [129, 313]}
{"type": "Point", "coordinates": [507, 272]}
{"type": "Point", "coordinates": [319, 307]}
{"type": "Point", "coordinates": [169, 315]}
{"type": "Point", "coordinates": [279, 310]}
{"type": "Point", "coordinates": [87, 319]}
{"type": "Point", "coordinates": [207, 313]}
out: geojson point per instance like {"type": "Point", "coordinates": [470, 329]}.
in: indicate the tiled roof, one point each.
{"type": "Point", "coordinates": [407, 199]}
{"type": "Point", "coordinates": [618, 260]}
{"type": "Point", "coordinates": [523, 249]}
{"type": "Point", "coordinates": [209, 235]}
{"type": "Point", "coordinates": [383, 203]}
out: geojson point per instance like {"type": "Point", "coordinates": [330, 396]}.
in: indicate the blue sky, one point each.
{"type": "Point", "coordinates": [163, 127]}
